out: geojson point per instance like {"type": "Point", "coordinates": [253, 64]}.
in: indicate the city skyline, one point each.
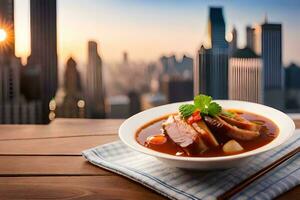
{"type": "Point", "coordinates": [145, 22]}
{"type": "Point", "coordinates": [29, 93]}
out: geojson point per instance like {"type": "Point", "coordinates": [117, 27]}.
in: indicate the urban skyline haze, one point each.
{"type": "Point", "coordinates": [148, 29]}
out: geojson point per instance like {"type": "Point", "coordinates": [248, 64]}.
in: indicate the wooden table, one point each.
{"type": "Point", "coordinates": [44, 161]}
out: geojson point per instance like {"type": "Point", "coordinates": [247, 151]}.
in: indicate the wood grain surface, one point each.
{"type": "Point", "coordinates": [44, 162]}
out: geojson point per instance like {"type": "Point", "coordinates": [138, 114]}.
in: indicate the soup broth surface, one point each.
{"type": "Point", "coordinates": [268, 132]}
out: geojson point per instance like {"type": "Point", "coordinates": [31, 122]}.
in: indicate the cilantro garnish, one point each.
{"type": "Point", "coordinates": [187, 109]}
{"type": "Point", "coordinates": [214, 109]}
{"type": "Point", "coordinates": [204, 104]}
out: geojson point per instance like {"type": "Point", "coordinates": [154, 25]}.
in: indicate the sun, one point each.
{"type": "Point", "coordinates": [3, 35]}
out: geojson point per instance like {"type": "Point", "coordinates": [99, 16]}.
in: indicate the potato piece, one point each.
{"type": "Point", "coordinates": [232, 146]}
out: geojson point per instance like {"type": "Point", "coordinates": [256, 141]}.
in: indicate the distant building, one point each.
{"type": "Point", "coordinates": [272, 55]}
{"type": "Point", "coordinates": [268, 44]}
{"type": "Point", "coordinates": [292, 88]}
{"type": "Point", "coordinates": [7, 23]}
{"type": "Point", "coordinates": [94, 88]}
{"type": "Point", "coordinates": [211, 73]}
{"type": "Point", "coordinates": [245, 76]}
{"type": "Point", "coordinates": [118, 107]}
{"type": "Point", "coordinates": [175, 68]}
{"type": "Point", "coordinates": [250, 38]}
{"type": "Point", "coordinates": [43, 31]}
{"type": "Point", "coordinates": [73, 104]}
{"type": "Point", "coordinates": [233, 42]}
{"type": "Point", "coordinates": [216, 28]}
{"type": "Point", "coordinates": [125, 58]}
{"type": "Point", "coordinates": [176, 82]}
{"type": "Point", "coordinates": [271, 37]}
{"type": "Point", "coordinates": [10, 81]}
{"type": "Point", "coordinates": [211, 69]}
{"type": "Point", "coordinates": [186, 67]}
{"type": "Point", "coordinates": [134, 102]}
{"type": "Point", "coordinates": [72, 80]}
{"type": "Point", "coordinates": [14, 108]}
{"type": "Point", "coordinates": [257, 43]}
{"type": "Point", "coordinates": [177, 90]}
{"type": "Point", "coordinates": [169, 65]}
{"type": "Point", "coordinates": [21, 112]}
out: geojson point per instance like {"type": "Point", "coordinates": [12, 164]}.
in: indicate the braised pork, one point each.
{"type": "Point", "coordinates": [241, 123]}
{"type": "Point", "coordinates": [220, 126]}
{"type": "Point", "coordinates": [184, 135]}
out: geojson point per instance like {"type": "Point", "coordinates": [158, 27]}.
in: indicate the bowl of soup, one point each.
{"type": "Point", "coordinates": [197, 135]}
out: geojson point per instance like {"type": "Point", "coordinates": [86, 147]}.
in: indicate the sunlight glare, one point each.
{"type": "Point", "coordinates": [3, 35]}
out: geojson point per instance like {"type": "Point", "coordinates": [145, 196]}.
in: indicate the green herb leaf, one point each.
{"type": "Point", "coordinates": [187, 109]}
{"type": "Point", "coordinates": [227, 113]}
{"type": "Point", "coordinates": [214, 109]}
{"type": "Point", "coordinates": [202, 101]}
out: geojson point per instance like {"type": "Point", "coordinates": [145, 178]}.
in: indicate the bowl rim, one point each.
{"type": "Point", "coordinates": [140, 148]}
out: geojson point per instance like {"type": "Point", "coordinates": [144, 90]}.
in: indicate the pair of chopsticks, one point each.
{"type": "Point", "coordinates": [233, 191]}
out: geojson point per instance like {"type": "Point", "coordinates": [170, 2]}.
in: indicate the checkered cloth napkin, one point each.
{"type": "Point", "coordinates": [184, 184]}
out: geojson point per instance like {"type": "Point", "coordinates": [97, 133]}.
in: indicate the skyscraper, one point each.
{"type": "Point", "coordinates": [292, 88]}
{"type": "Point", "coordinates": [272, 55]}
{"type": "Point", "coordinates": [7, 48]}
{"type": "Point", "coordinates": [72, 81]}
{"type": "Point", "coordinates": [176, 68]}
{"type": "Point", "coordinates": [73, 103]}
{"type": "Point", "coordinates": [9, 68]}
{"type": "Point", "coordinates": [257, 39]}
{"type": "Point", "coordinates": [250, 37]}
{"type": "Point", "coordinates": [271, 50]}
{"type": "Point", "coordinates": [95, 87]}
{"type": "Point", "coordinates": [177, 90]}
{"type": "Point", "coordinates": [134, 102]}
{"type": "Point", "coordinates": [44, 48]}
{"type": "Point", "coordinates": [216, 28]}
{"type": "Point", "coordinates": [211, 69]}
{"type": "Point", "coordinates": [14, 109]}
{"type": "Point", "coordinates": [233, 42]}
{"type": "Point", "coordinates": [10, 81]}
{"type": "Point", "coordinates": [211, 72]}
{"type": "Point", "coordinates": [245, 76]}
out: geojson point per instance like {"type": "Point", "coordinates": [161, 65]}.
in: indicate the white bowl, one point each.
{"type": "Point", "coordinates": [128, 130]}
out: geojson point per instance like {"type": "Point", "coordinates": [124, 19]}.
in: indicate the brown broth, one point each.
{"type": "Point", "coordinates": [268, 133]}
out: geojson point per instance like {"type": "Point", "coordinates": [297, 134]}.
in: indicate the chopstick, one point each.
{"type": "Point", "coordinates": [231, 192]}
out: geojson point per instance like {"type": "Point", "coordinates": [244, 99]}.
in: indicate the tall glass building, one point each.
{"type": "Point", "coordinates": [211, 69]}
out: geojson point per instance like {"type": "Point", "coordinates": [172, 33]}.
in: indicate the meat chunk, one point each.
{"type": "Point", "coordinates": [205, 133]}
{"type": "Point", "coordinates": [183, 134]}
{"type": "Point", "coordinates": [241, 123]}
{"type": "Point", "coordinates": [220, 126]}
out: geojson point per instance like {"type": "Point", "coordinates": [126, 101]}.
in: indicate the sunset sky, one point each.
{"type": "Point", "coordinates": [146, 29]}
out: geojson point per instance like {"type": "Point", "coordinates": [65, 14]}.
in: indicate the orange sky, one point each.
{"type": "Point", "coordinates": [148, 29]}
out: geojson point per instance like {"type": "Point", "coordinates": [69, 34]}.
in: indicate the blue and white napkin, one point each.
{"type": "Point", "coordinates": [184, 184]}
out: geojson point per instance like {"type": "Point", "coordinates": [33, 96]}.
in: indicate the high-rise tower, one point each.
{"type": "Point", "coordinates": [233, 42]}
{"type": "Point", "coordinates": [95, 89]}
{"type": "Point", "coordinates": [216, 28]}
{"type": "Point", "coordinates": [211, 72]}
{"type": "Point", "coordinates": [271, 39]}
{"type": "Point", "coordinates": [44, 48]}
{"type": "Point", "coordinates": [271, 52]}
{"type": "Point", "coordinates": [211, 69]}
{"type": "Point", "coordinates": [250, 38]}
{"type": "Point", "coordinates": [245, 76]}
{"type": "Point", "coordinates": [7, 47]}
